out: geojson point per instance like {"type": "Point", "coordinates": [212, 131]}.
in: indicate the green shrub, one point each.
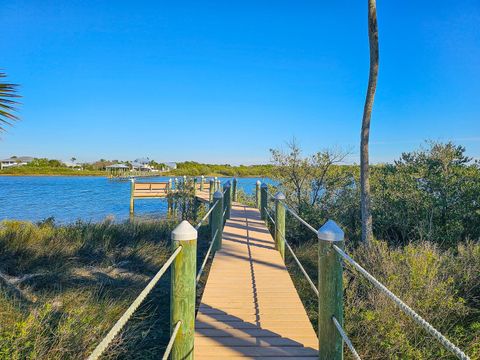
{"type": "Point", "coordinates": [441, 286]}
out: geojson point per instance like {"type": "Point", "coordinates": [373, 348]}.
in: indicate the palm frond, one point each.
{"type": "Point", "coordinates": [8, 92]}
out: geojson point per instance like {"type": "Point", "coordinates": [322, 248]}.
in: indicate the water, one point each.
{"type": "Point", "coordinates": [67, 199]}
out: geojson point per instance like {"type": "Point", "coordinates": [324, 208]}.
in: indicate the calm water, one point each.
{"type": "Point", "coordinates": [68, 199]}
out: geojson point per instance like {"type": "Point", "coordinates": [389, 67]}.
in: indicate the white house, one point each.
{"type": "Point", "coordinates": [15, 161]}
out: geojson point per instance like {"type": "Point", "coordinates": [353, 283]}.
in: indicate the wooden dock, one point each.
{"type": "Point", "coordinates": [250, 307]}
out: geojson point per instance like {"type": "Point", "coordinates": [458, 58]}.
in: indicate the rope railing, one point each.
{"type": "Point", "coordinates": [270, 216]}
{"type": "Point", "coordinates": [404, 307]}
{"type": "Point", "coordinates": [199, 275]}
{"type": "Point", "coordinates": [346, 339]}
{"type": "Point", "coordinates": [300, 219]}
{"type": "Point", "coordinates": [102, 346]}
{"type": "Point", "coordinates": [312, 285]}
{"type": "Point", "coordinates": [206, 216]}
{"type": "Point", "coordinates": [168, 350]}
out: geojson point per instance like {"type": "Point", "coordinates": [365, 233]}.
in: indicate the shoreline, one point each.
{"type": "Point", "coordinates": [106, 176]}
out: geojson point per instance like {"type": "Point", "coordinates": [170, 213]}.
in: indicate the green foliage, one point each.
{"type": "Point", "coordinates": [442, 286]}
{"type": "Point", "coordinates": [191, 168]}
{"type": "Point", "coordinates": [8, 95]}
{"type": "Point", "coordinates": [60, 171]}
{"type": "Point", "coordinates": [44, 162]}
{"type": "Point", "coordinates": [431, 194]}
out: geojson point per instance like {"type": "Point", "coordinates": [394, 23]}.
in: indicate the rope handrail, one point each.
{"type": "Point", "coordinates": [199, 275]}
{"type": "Point", "coordinates": [312, 285]}
{"type": "Point", "coordinates": [206, 215]}
{"type": "Point", "coordinates": [168, 350]}
{"type": "Point", "coordinates": [102, 346]}
{"type": "Point", "coordinates": [404, 307]}
{"type": "Point", "coordinates": [270, 216]}
{"type": "Point", "coordinates": [224, 212]}
{"type": "Point", "coordinates": [345, 338]}
{"type": "Point", "coordinates": [300, 219]}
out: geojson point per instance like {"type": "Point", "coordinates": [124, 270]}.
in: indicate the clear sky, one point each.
{"type": "Point", "coordinates": [224, 81]}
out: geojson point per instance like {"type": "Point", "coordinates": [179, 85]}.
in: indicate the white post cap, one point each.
{"type": "Point", "coordinates": [258, 182]}
{"type": "Point", "coordinates": [279, 196]}
{"type": "Point", "coordinates": [330, 231]}
{"type": "Point", "coordinates": [218, 195]}
{"type": "Point", "coordinates": [184, 231]}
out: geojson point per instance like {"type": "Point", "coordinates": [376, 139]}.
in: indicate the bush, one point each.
{"type": "Point", "coordinates": [441, 286]}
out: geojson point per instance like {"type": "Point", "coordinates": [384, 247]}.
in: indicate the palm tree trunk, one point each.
{"type": "Point", "coordinates": [367, 232]}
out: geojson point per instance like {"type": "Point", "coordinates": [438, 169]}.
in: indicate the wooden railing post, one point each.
{"type": "Point", "coordinates": [257, 194]}
{"type": "Point", "coordinates": [234, 189]}
{"type": "Point", "coordinates": [280, 223]}
{"type": "Point", "coordinates": [169, 197]}
{"type": "Point", "coordinates": [216, 184]}
{"type": "Point", "coordinates": [202, 182]}
{"type": "Point", "coordinates": [330, 289]}
{"type": "Point", "coordinates": [176, 183]}
{"type": "Point", "coordinates": [263, 201]}
{"type": "Point", "coordinates": [184, 182]}
{"type": "Point", "coordinates": [211, 190]}
{"type": "Point", "coordinates": [132, 198]}
{"type": "Point", "coordinates": [227, 200]}
{"type": "Point", "coordinates": [217, 221]}
{"type": "Point", "coordinates": [182, 294]}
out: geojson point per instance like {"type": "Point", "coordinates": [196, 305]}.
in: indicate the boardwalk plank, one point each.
{"type": "Point", "coordinates": [250, 308]}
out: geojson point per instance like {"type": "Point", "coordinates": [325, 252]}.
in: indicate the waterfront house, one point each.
{"type": "Point", "coordinates": [15, 161]}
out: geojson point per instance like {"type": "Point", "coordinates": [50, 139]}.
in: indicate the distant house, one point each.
{"type": "Point", "coordinates": [117, 167]}
{"type": "Point", "coordinates": [15, 161]}
{"type": "Point", "coordinates": [141, 166]}
{"type": "Point", "coordinates": [72, 165]}
{"type": "Point", "coordinates": [171, 165]}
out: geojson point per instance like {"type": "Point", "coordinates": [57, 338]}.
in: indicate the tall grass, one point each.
{"type": "Point", "coordinates": [63, 287]}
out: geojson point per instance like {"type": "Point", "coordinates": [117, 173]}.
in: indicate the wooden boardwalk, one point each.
{"type": "Point", "coordinates": [250, 308]}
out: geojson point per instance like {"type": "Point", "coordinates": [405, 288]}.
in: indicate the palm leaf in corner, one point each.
{"type": "Point", "coordinates": [8, 93]}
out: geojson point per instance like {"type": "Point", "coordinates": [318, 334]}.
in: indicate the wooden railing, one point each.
{"type": "Point", "coordinates": [184, 275]}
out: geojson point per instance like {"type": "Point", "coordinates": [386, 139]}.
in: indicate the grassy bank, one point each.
{"type": "Point", "coordinates": [49, 171]}
{"type": "Point", "coordinates": [63, 287]}
{"type": "Point", "coordinates": [442, 286]}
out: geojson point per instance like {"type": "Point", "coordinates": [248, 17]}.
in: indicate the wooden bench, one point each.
{"type": "Point", "coordinates": [150, 190]}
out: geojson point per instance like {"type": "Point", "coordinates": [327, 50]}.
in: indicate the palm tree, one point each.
{"type": "Point", "coordinates": [367, 232]}
{"type": "Point", "coordinates": [7, 102]}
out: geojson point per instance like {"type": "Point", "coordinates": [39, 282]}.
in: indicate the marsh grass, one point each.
{"type": "Point", "coordinates": [63, 287]}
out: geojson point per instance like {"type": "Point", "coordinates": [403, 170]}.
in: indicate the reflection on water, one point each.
{"type": "Point", "coordinates": [68, 199]}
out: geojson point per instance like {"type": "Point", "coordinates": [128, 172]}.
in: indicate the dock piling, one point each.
{"type": "Point", "coordinates": [183, 290]}
{"type": "Point", "coordinates": [280, 223]}
{"type": "Point", "coordinates": [217, 220]}
{"type": "Point", "coordinates": [330, 288]}
{"type": "Point", "coordinates": [263, 201]}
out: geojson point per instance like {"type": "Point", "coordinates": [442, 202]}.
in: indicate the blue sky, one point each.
{"type": "Point", "coordinates": [221, 81]}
